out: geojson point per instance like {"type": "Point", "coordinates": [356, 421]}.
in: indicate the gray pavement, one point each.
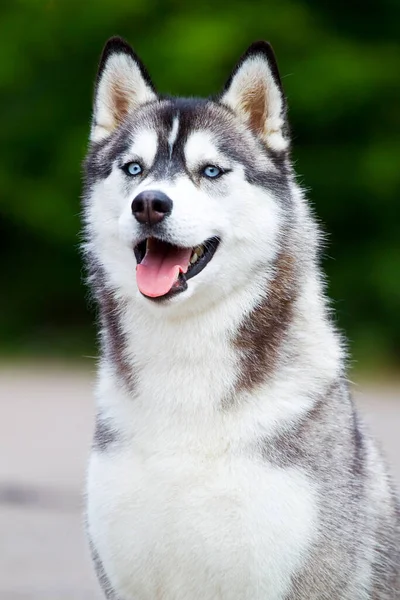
{"type": "Point", "coordinates": [45, 430]}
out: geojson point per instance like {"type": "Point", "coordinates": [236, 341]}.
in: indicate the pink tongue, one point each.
{"type": "Point", "coordinates": [159, 269]}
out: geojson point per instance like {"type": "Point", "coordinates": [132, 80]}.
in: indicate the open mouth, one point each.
{"type": "Point", "coordinates": [163, 269]}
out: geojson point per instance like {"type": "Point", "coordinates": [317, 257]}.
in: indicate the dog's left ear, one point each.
{"type": "Point", "coordinates": [123, 84]}
{"type": "Point", "coordinates": [254, 93]}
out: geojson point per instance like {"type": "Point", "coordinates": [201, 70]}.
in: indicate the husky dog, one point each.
{"type": "Point", "coordinates": [228, 460]}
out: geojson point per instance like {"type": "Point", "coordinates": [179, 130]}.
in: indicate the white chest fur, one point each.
{"type": "Point", "coordinates": [186, 525]}
{"type": "Point", "coordinates": [184, 507]}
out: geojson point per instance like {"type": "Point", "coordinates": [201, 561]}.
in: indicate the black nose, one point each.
{"type": "Point", "coordinates": [151, 207]}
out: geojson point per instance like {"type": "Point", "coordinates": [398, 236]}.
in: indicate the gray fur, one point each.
{"type": "Point", "coordinates": [356, 538]}
{"type": "Point", "coordinates": [109, 592]}
{"type": "Point", "coordinates": [105, 436]}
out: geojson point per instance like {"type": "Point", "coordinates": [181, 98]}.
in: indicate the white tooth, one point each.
{"type": "Point", "coordinates": [194, 258]}
{"type": "Point", "coordinates": [199, 251]}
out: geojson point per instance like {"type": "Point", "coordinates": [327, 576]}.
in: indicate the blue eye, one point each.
{"type": "Point", "coordinates": [133, 168]}
{"type": "Point", "coordinates": [212, 171]}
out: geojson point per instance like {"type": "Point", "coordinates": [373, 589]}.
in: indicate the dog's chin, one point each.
{"type": "Point", "coordinates": [164, 269]}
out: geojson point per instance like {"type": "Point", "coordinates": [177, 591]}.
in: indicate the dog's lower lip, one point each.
{"type": "Point", "coordinates": [208, 249]}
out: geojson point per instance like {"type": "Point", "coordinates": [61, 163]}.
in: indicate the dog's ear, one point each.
{"type": "Point", "coordinates": [122, 85]}
{"type": "Point", "coordinates": [254, 93]}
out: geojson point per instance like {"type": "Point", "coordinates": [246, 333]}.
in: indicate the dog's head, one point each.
{"type": "Point", "coordinates": [186, 198]}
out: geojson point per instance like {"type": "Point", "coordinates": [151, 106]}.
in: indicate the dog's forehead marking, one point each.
{"type": "Point", "coordinates": [201, 146]}
{"type": "Point", "coordinates": [173, 134]}
{"type": "Point", "coordinates": [145, 145]}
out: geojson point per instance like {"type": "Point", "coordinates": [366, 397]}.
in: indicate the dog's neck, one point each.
{"type": "Point", "coordinates": [279, 348]}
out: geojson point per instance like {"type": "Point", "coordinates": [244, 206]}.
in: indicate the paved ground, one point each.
{"type": "Point", "coordinates": [45, 429]}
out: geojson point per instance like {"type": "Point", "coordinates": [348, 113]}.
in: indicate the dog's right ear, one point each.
{"type": "Point", "coordinates": [123, 84]}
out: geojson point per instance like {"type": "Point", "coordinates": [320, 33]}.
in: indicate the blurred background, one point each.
{"type": "Point", "coordinates": [340, 65]}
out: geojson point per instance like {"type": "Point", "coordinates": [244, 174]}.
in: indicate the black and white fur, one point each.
{"type": "Point", "coordinates": [228, 460]}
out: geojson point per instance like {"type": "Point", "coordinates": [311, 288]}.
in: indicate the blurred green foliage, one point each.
{"type": "Point", "coordinates": [340, 67]}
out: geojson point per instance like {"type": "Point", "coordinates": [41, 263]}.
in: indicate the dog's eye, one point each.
{"type": "Point", "coordinates": [211, 171]}
{"type": "Point", "coordinates": [132, 168]}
